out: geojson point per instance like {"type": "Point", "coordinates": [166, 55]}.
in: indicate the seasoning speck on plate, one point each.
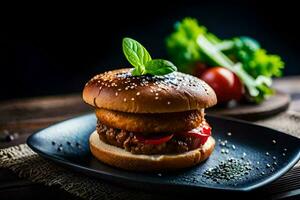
{"type": "Point", "coordinates": [230, 169]}
{"type": "Point", "coordinates": [267, 153]}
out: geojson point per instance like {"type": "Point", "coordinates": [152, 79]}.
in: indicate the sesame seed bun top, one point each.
{"type": "Point", "coordinates": [175, 92]}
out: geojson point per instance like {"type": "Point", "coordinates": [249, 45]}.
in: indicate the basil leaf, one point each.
{"type": "Point", "coordinates": [159, 67]}
{"type": "Point", "coordinates": [136, 54]}
{"type": "Point", "coordinates": [134, 72]}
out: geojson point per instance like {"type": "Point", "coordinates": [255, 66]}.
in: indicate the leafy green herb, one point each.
{"type": "Point", "coordinates": [136, 54]}
{"type": "Point", "coordinates": [191, 43]}
{"type": "Point", "coordinates": [160, 67]}
{"type": "Point", "coordinates": [255, 60]}
{"type": "Point", "coordinates": [182, 45]}
{"type": "Point", "coordinates": [143, 64]}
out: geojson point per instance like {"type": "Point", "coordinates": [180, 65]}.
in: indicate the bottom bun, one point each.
{"type": "Point", "coordinates": [121, 158]}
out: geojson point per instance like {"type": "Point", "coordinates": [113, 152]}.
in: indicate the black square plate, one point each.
{"type": "Point", "coordinates": [266, 153]}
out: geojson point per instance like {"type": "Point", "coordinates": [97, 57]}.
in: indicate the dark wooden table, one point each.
{"type": "Point", "coordinates": [20, 118]}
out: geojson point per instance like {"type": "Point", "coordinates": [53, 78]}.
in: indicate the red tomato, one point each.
{"type": "Point", "coordinates": [200, 134]}
{"type": "Point", "coordinates": [225, 83]}
{"type": "Point", "coordinates": [154, 140]}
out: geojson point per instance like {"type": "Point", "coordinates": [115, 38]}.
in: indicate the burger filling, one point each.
{"type": "Point", "coordinates": [162, 143]}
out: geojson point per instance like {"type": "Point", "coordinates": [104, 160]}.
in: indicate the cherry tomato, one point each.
{"type": "Point", "coordinates": [225, 83]}
{"type": "Point", "coordinates": [154, 140]}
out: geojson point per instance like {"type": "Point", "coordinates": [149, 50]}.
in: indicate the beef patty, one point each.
{"type": "Point", "coordinates": [128, 141]}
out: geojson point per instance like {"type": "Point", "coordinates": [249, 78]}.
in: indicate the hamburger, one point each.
{"type": "Point", "coordinates": [150, 122]}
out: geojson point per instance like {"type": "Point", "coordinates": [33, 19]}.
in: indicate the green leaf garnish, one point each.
{"type": "Point", "coordinates": [136, 54]}
{"type": "Point", "coordinates": [159, 67]}
{"type": "Point", "coordinates": [142, 62]}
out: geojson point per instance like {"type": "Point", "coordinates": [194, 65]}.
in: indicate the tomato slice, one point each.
{"type": "Point", "coordinates": [206, 130]}
{"type": "Point", "coordinates": [154, 140]}
{"type": "Point", "coordinates": [201, 134]}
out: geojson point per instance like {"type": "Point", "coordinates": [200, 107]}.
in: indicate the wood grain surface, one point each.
{"type": "Point", "coordinates": [272, 106]}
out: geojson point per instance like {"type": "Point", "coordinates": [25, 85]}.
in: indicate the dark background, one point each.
{"type": "Point", "coordinates": [54, 49]}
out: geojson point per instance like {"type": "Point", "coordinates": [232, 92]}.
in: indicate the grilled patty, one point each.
{"type": "Point", "coordinates": [128, 141]}
{"type": "Point", "coordinates": [152, 123]}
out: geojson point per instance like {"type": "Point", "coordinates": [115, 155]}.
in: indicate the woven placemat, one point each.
{"type": "Point", "coordinates": [27, 164]}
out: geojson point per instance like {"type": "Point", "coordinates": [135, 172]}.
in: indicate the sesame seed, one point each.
{"type": "Point", "coordinates": [156, 94]}
{"type": "Point", "coordinates": [116, 93]}
{"type": "Point", "coordinates": [267, 153]}
{"type": "Point", "coordinates": [274, 141]}
{"type": "Point", "coordinates": [156, 98]}
{"type": "Point", "coordinates": [229, 133]}
{"type": "Point", "coordinates": [119, 89]}
{"type": "Point", "coordinates": [138, 93]}
{"type": "Point", "coordinates": [124, 99]}
{"type": "Point", "coordinates": [132, 99]}
{"type": "Point", "coordinates": [169, 103]}
{"type": "Point", "coordinates": [151, 90]}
